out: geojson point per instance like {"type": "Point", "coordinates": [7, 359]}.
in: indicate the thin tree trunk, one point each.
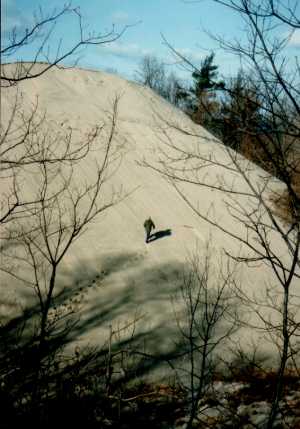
{"type": "Point", "coordinates": [42, 336]}
{"type": "Point", "coordinates": [283, 361]}
{"type": "Point", "coordinates": [44, 320]}
{"type": "Point", "coordinates": [196, 400]}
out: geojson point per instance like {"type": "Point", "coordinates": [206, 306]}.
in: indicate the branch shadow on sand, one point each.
{"type": "Point", "coordinates": [94, 302]}
{"type": "Point", "coordinates": [90, 303]}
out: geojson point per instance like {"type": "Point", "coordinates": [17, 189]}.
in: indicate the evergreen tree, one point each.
{"type": "Point", "coordinates": [204, 106]}
{"type": "Point", "coordinates": [205, 79]}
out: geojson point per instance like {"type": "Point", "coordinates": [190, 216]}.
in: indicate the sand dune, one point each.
{"type": "Point", "coordinates": [110, 274]}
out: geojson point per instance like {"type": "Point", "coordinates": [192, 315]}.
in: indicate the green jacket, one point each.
{"type": "Point", "coordinates": [148, 224]}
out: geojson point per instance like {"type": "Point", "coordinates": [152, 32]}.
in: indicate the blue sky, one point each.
{"type": "Point", "coordinates": [183, 23]}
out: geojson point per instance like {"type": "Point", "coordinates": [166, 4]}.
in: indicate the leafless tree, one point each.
{"type": "Point", "coordinates": [263, 238]}
{"type": "Point", "coordinates": [206, 323]}
{"type": "Point", "coordinates": [47, 51]}
{"type": "Point", "coordinates": [21, 145]}
{"type": "Point", "coordinates": [64, 205]}
{"type": "Point", "coordinates": [45, 204]}
{"type": "Point", "coordinates": [28, 140]}
{"type": "Point", "coordinates": [151, 73]}
{"type": "Point", "coordinates": [279, 100]}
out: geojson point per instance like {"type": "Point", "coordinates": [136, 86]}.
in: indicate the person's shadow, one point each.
{"type": "Point", "coordinates": [159, 234]}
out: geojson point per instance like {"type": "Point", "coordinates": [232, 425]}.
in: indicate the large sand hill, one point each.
{"type": "Point", "coordinates": [110, 274]}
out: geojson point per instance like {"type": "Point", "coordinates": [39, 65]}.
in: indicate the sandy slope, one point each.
{"type": "Point", "coordinates": [110, 274]}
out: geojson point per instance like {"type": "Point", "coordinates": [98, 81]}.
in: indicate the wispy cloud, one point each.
{"type": "Point", "coordinates": [295, 39]}
{"type": "Point", "coordinates": [14, 18]}
{"type": "Point", "coordinates": [13, 22]}
{"type": "Point", "coordinates": [135, 51]}
{"type": "Point", "coordinates": [125, 50]}
{"type": "Point", "coordinates": [192, 55]}
{"type": "Point", "coordinates": [120, 17]}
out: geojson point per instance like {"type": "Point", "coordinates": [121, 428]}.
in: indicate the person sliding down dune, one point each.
{"type": "Point", "coordinates": [148, 225]}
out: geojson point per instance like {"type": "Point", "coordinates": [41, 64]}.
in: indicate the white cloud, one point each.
{"type": "Point", "coordinates": [192, 55]}
{"type": "Point", "coordinates": [14, 18]}
{"type": "Point", "coordinates": [295, 38]}
{"type": "Point", "coordinates": [134, 50]}
{"type": "Point", "coordinates": [120, 17]}
{"type": "Point", "coordinates": [13, 22]}
{"type": "Point", "coordinates": [125, 50]}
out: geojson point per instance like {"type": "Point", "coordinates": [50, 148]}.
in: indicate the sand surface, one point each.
{"type": "Point", "coordinates": [110, 275]}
